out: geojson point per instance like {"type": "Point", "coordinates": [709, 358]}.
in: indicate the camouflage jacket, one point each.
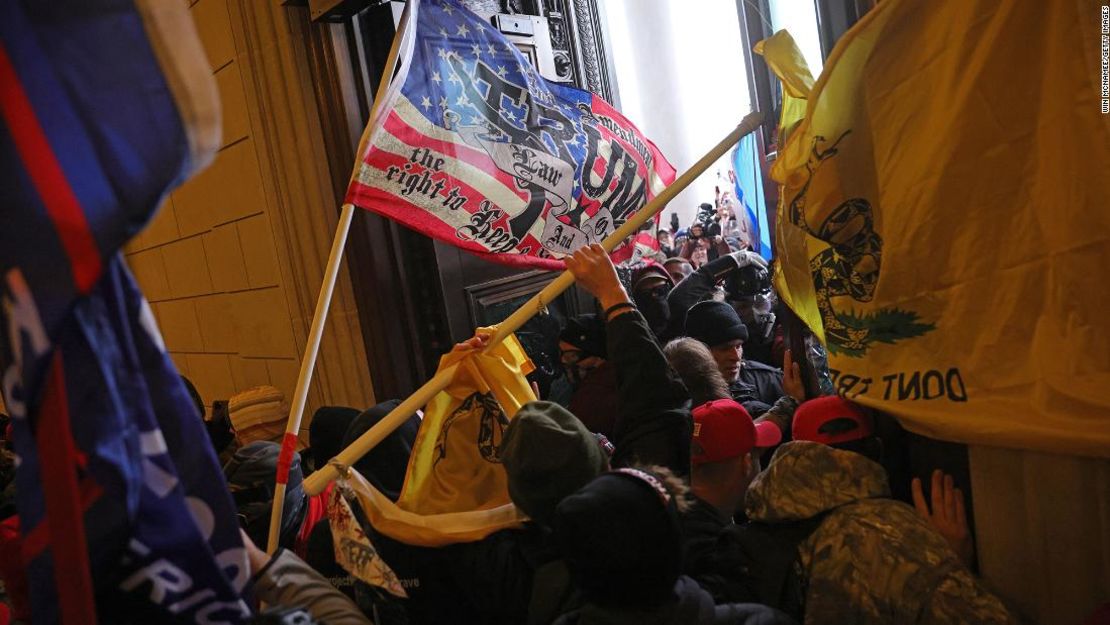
{"type": "Point", "coordinates": [872, 560]}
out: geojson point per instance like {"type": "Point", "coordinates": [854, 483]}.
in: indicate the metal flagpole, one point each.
{"type": "Point", "coordinates": [323, 476]}
{"type": "Point", "coordinates": [323, 301]}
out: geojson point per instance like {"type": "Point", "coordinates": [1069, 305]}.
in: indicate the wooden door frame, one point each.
{"type": "Point", "coordinates": [346, 59]}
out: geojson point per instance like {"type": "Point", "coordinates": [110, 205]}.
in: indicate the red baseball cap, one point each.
{"type": "Point", "coordinates": [723, 430]}
{"type": "Point", "coordinates": [830, 420]}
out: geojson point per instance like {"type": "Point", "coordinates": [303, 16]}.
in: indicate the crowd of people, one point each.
{"type": "Point", "coordinates": [685, 477]}
{"type": "Point", "coordinates": [715, 231]}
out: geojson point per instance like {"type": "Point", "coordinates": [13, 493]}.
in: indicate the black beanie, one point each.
{"type": "Point", "coordinates": [548, 454]}
{"type": "Point", "coordinates": [621, 538]}
{"type": "Point", "coordinates": [386, 464]}
{"type": "Point", "coordinates": [587, 333]}
{"type": "Point", "coordinates": [714, 323]}
{"type": "Point", "coordinates": [325, 432]}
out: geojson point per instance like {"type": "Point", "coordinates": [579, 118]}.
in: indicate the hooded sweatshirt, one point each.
{"type": "Point", "coordinates": [692, 606]}
{"type": "Point", "coordinates": [872, 560]}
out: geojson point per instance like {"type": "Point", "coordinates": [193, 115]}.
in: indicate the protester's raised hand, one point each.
{"type": "Point", "coordinates": [592, 269]}
{"type": "Point", "coordinates": [478, 341]}
{"type": "Point", "coordinates": [948, 515]}
{"type": "Point", "coordinates": [792, 383]}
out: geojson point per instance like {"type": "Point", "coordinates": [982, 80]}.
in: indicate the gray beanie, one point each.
{"type": "Point", "coordinates": [548, 454]}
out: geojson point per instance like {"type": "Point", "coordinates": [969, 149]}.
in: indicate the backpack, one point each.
{"type": "Point", "coordinates": [251, 474]}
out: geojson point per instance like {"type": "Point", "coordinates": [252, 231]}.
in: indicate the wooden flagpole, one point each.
{"type": "Point", "coordinates": [323, 301]}
{"type": "Point", "coordinates": [323, 476]}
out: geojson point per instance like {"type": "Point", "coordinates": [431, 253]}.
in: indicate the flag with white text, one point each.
{"type": "Point", "coordinates": [124, 513]}
{"type": "Point", "coordinates": [473, 147]}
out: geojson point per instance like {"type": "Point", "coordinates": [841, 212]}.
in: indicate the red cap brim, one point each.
{"type": "Point", "coordinates": [767, 434]}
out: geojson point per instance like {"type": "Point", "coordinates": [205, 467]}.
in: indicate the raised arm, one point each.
{"type": "Point", "coordinates": [782, 412]}
{"type": "Point", "coordinates": [701, 284]}
{"type": "Point", "coordinates": [653, 425]}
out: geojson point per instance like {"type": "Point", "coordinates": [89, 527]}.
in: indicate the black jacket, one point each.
{"type": "Point", "coordinates": [758, 387]}
{"type": "Point", "coordinates": [493, 577]}
{"type": "Point", "coordinates": [655, 426]}
{"type": "Point", "coordinates": [745, 563]}
{"type": "Point", "coordinates": [711, 556]}
{"type": "Point", "coordinates": [691, 606]}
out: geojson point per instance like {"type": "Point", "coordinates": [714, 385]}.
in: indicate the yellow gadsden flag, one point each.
{"type": "Point", "coordinates": [455, 489]}
{"type": "Point", "coordinates": [786, 61]}
{"type": "Point", "coordinates": [944, 221]}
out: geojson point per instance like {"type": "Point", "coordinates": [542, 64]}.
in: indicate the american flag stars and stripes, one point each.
{"type": "Point", "coordinates": [473, 147]}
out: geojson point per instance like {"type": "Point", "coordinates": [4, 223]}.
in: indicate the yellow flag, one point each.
{"type": "Point", "coordinates": [787, 62]}
{"type": "Point", "coordinates": [785, 59]}
{"type": "Point", "coordinates": [944, 221]}
{"type": "Point", "coordinates": [455, 489]}
{"type": "Point", "coordinates": [455, 464]}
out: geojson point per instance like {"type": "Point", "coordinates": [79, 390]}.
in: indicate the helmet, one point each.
{"type": "Point", "coordinates": [749, 291]}
{"type": "Point", "coordinates": [748, 281]}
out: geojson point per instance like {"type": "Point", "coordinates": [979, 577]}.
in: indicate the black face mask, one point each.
{"type": "Point", "coordinates": [653, 306]}
{"type": "Point", "coordinates": [576, 373]}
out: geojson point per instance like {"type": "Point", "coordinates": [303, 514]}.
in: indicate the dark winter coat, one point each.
{"type": "Point", "coordinates": [758, 387]}
{"type": "Point", "coordinates": [710, 557]}
{"type": "Point", "coordinates": [691, 605]}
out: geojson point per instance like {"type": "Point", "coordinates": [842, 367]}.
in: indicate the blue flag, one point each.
{"type": "Point", "coordinates": [104, 105]}
{"type": "Point", "coordinates": [746, 161]}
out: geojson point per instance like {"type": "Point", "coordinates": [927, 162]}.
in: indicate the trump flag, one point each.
{"type": "Point", "coordinates": [123, 510]}
{"type": "Point", "coordinates": [470, 145]}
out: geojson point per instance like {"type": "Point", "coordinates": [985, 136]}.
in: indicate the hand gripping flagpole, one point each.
{"type": "Point", "coordinates": [323, 301]}
{"type": "Point", "coordinates": [323, 476]}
